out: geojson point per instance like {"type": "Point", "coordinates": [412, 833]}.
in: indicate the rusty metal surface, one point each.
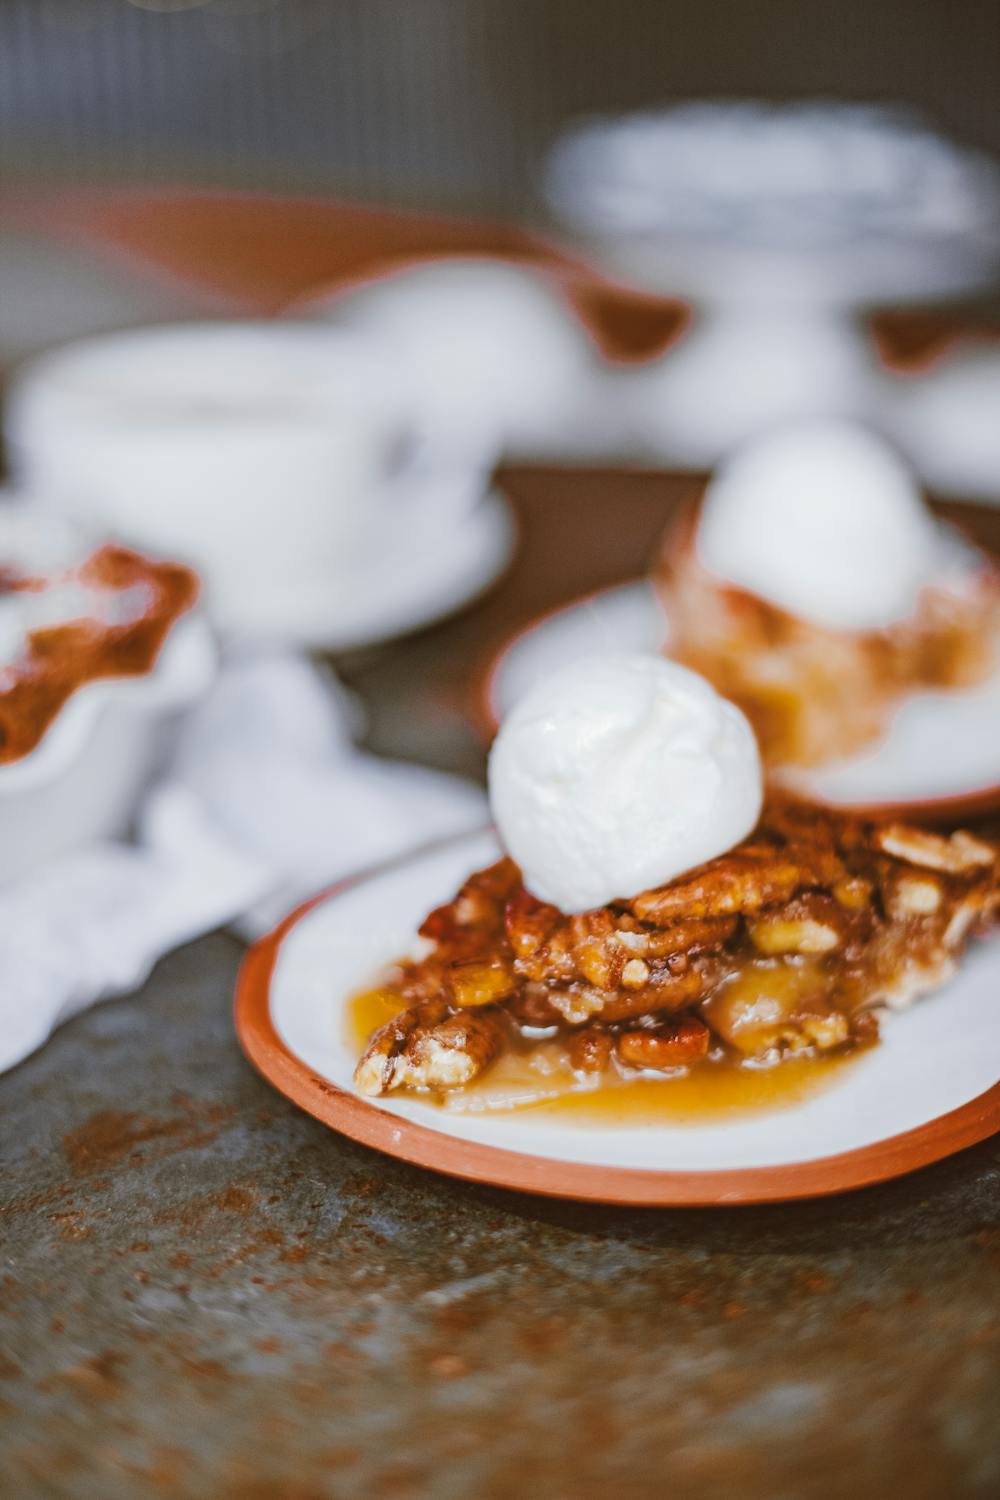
{"type": "Point", "coordinates": [204, 1293]}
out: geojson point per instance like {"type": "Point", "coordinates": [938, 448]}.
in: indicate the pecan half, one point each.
{"type": "Point", "coordinates": [429, 1048]}
{"type": "Point", "coordinates": [676, 1044]}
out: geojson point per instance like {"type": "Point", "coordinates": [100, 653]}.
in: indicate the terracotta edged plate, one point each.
{"type": "Point", "coordinates": [940, 761]}
{"type": "Point", "coordinates": [924, 1093]}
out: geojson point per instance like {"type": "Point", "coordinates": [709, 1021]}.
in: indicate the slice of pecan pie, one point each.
{"type": "Point", "coordinates": [812, 693]}
{"type": "Point", "coordinates": [787, 945]}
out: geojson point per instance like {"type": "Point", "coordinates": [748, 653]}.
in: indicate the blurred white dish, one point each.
{"type": "Point", "coordinates": [947, 421]}
{"type": "Point", "coordinates": [783, 222]}
{"type": "Point", "coordinates": [494, 354]}
{"type": "Point", "coordinates": [83, 779]}
{"type": "Point", "coordinates": [738, 369]}
{"type": "Point", "coordinates": [420, 575]}
{"type": "Point", "coordinates": [805, 200]}
{"type": "Point", "coordinates": [269, 455]}
{"type": "Point", "coordinates": [942, 750]}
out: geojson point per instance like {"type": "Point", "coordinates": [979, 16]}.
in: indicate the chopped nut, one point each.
{"type": "Point", "coordinates": [597, 952]}
{"type": "Point", "coordinates": [913, 896]}
{"type": "Point", "coordinates": [578, 1004]}
{"type": "Point", "coordinates": [635, 942]}
{"type": "Point", "coordinates": [975, 851]}
{"type": "Point", "coordinates": [963, 919]}
{"type": "Point", "coordinates": [554, 962]}
{"type": "Point", "coordinates": [853, 892]}
{"type": "Point", "coordinates": [811, 923]}
{"type": "Point", "coordinates": [596, 967]}
{"type": "Point", "coordinates": [959, 854]}
{"type": "Point", "coordinates": [825, 1031]}
{"type": "Point", "coordinates": [779, 934]}
{"type": "Point", "coordinates": [635, 974]}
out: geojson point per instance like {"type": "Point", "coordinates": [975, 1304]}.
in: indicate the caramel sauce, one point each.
{"type": "Point", "coordinates": [365, 1012]}
{"type": "Point", "coordinates": [60, 658]}
{"type": "Point", "coordinates": [723, 1087]}
{"type": "Point", "coordinates": [534, 1076]}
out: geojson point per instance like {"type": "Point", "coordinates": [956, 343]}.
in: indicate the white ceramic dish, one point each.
{"type": "Point", "coordinates": [268, 455]}
{"type": "Point", "coordinates": [84, 777]}
{"type": "Point", "coordinates": [495, 358]}
{"type": "Point", "coordinates": [83, 780]}
{"type": "Point", "coordinates": [390, 595]}
{"type": "Point", "coordinates": [925, 1090]}
{"type": "Point", "coordinates": [945, 419]}
{"type": "Point", "coordinates": [941, 754]}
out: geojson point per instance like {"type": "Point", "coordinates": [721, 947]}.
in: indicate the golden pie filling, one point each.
{"type": "Point", "coordinates": [812, 693]}
{"type": "Point", "coordinates": [121, 607]}
{"type": "Point", "coordinates": [783, 949]}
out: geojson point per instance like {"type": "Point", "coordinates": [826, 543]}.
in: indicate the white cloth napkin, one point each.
{"type": "Point", "coordinates": [266, 802]}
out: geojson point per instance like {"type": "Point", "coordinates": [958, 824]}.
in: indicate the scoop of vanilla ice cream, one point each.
{"type": "Point", "coordinates": [823, 519]}
{"type": "Point", "coordinates": [618, 773]}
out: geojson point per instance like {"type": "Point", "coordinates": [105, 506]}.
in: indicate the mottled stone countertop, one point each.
{"type": "Point", "coordinates": [204, 1293]}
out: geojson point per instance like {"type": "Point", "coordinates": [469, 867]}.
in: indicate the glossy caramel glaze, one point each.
{"type": "Point", "coordinates": [537, 1076]}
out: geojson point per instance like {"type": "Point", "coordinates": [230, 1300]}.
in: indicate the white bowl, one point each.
{"type": "Point", "coordinates": [947, 421]}
{"type": "Point", "coordinates": [84, 778]}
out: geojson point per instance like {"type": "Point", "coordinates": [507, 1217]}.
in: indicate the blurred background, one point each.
{"type": "Point", "coordinates": [446, 103]}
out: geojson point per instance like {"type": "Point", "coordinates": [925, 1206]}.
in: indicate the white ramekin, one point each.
{"type": "Point", "coordinates": [84, 779]}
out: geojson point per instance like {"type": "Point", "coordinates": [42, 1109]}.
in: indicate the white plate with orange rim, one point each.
{"type": "Point", "coordinates": [939, 760]}
{"type": "Point", "coordinates": [928, 1089]}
